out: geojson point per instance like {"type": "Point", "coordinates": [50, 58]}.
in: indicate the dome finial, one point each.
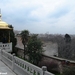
{"type": "Point", "coordinates": [0, 14]}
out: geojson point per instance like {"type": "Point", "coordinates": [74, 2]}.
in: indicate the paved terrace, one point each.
{"type": "Point", "coordinates": [4, 70]}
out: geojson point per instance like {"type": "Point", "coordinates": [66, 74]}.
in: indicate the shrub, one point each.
{"type": "Point", "coordinates": [69, 70]}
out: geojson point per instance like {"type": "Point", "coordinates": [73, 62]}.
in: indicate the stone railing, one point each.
{"type": "Point", "coordinates": [22, 67]}
{"type": "Point", "coordinates": [6, 46]}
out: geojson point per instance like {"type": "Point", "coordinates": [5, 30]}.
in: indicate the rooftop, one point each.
{"type": "Point", "coordinates": [3, 25]}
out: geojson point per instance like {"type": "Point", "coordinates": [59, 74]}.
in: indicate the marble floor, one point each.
{"type": "Point", "coordinates": [4, 70]}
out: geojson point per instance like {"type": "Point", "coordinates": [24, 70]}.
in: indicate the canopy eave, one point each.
{"type": "Point", "coordinates": [6, 28]}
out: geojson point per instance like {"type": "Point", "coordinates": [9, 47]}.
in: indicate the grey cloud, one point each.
{"type": "Point", "coordinates": [59, 12]}
{"type": "Point", "coordinates": [20, 17]}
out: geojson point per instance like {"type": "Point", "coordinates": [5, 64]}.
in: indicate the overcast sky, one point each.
{"type": "Point", "coordinates": [40, 16]}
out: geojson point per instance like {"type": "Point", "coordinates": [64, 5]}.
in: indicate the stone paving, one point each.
{"type": "Point", "coordinates": [4, 70]}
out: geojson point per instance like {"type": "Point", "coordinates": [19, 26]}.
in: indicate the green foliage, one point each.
{"type": "Point", "coordinates": [34, 50]}
{"type": "Point", "coordinates": [69, 71]}
{"type": "Point", "coordinates": [58, 74]}
{"type": "Point", "coordinates": [25, 37]}
{"type": "Point", "coordinates": [67, 38]}
{"type": "Point", "coordinates": [13, 40]}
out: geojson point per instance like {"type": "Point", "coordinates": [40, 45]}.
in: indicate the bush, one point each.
{"type": "Point", "coordinates": [69, 70]}
{"type": "Point", "coordinates": [34, 50]}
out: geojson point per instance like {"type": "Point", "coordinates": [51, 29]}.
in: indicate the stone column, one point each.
{"type": "Point", "coordinates": [44, 68]}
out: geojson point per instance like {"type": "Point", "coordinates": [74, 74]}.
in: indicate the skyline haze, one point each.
{"type": "Point", "coordinates": [40, 16]}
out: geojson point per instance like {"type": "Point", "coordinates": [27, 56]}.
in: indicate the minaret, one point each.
{"type": "Point", "coordinates": [0, 14]}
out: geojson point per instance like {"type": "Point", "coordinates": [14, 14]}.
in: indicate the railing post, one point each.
{"type": "Point", "coordinates": [44, 68]}
{"type": "Point", "coordinates": [1, 54]}
{"type": "Point", "coordinates": [13, 61]}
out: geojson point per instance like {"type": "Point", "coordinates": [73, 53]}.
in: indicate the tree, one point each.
{"type": "Point", "coordinates": [34, 50]}
{"type": "Point", "coordinates": [13, 39]}
{"type": "Point", "coordinates": [67, 47]}
{"type": "Point", "coordinates": [67, 38]}
{"type": "Point", "coordinates": [24, 37]}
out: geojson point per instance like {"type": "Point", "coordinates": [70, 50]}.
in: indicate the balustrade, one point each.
{"type": "Point", "coordinates": [22, 67]}
{"type": "Point", "coordinates": [6, 46]}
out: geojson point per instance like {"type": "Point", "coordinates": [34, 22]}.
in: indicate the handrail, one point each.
{"type": "Point", "coordinates": [22, 67]}
{"type": "Point", "coordinates": [6, 46]}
